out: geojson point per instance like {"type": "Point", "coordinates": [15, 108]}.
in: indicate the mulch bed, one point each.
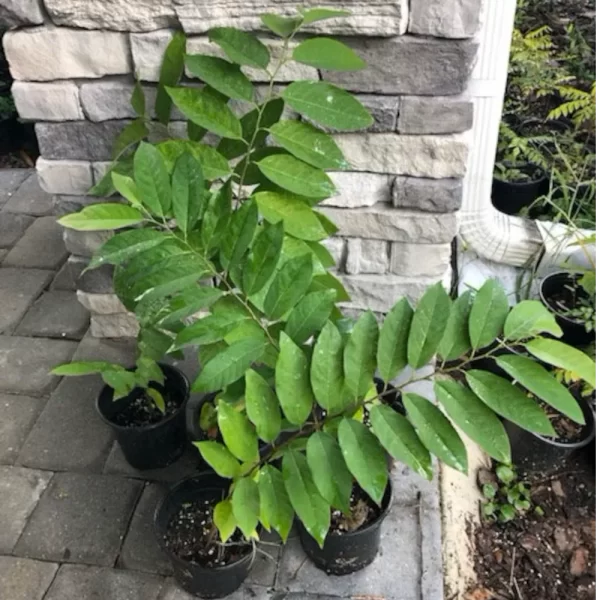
{"type": "Point", "coordinates": [549, 557]}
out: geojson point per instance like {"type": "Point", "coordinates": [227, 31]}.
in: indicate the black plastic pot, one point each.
{"type": "Point", "coordinates": [510, 197]}
{"type": "Point", "coordinates": [574, 332]}
{"type": "Point", "coordinates": [153, 446]}
{"type": "Point", "coordinates": [533, 452]}
{"type": "Point", "coordinates": [350, 552]}
{"type": "Point", "coordinates": [205, 582]}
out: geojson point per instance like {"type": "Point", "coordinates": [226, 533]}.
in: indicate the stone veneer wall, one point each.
{"type": "Point", "coordinates": [74, 63]}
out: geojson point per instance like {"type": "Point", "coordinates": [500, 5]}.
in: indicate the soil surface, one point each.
{"type": "Point", "coordinates": [363, 511]}
{"type": "Point", "coordinates": [192, 536]}
{"type": "Point", "coordinates": [568, 431]}
{"type": "Point", "coordinates": [143, 412]}
{"type": "Point", "coordinates": [549, 557]}
{"type": "Point", "coordinates": [567, 298]}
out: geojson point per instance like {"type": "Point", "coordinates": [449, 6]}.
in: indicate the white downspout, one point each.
{"type": "Point", "coordinates": [488, 232]}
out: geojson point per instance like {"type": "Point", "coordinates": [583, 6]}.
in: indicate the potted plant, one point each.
{"type": "Point", "coordinates": [274, 345]}
{"type": "Point", "coordinates": [144, 406]}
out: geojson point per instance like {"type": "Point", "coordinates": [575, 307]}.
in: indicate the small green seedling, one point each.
{"type": "Point", "coordinates": [121, 380]}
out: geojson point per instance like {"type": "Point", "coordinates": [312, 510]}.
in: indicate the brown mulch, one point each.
{"type": "Point", "coordinates": [549, 557]}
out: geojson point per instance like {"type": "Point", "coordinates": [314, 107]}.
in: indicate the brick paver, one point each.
{"type": "Point", "coordinates": [12, 227]}
{"type": "Point", "coordinates": [19, 413]}
{"type": "Point", "coordinates": [24, 579]}
{"type": "Point", "coordinates": [10, 181]}
{"type": "Point", "coordinates": [30, 199]}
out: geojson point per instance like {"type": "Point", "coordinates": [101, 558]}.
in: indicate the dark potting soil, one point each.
{"type": "Point", "coordinates": [143, 412]}
{"type": "Point", "coordinates": [363, 511]}
{"type": "Point", "coordinates": [568, 431]}
{"type": "Point", "coordinates": [549, 557]}
{"type": "Point", "coordinates": [567, 298]}
{"type": "Point", "coordinates": [192, 536]}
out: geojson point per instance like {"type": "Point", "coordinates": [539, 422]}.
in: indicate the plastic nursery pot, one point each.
{"type": "Point", "coordinates": [349, 552]}
{"type": "Point", "coordinates": [152, 446]}
{"type": "Point", "coordinates": [574, 332]}
{"type": "Point", "coordinates": [533, 452]}
{"type": "Point", "coordinates": [510, 197]}
{"type": "Point", "coordinates": [205, 582]}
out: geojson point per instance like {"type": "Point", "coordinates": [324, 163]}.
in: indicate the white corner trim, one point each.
{"type": "Point", "coordinates": [490, 233]}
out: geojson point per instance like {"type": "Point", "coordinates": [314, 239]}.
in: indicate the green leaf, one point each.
{"type": "Point", "coordinates": [147, 370]}
{"type": "Point", "coordinates": [296, 176]}
{"type": "Point", "coordinates": [328, 281]}
{"type": "Point", "coordinates": [265, 253]}
{"type": "Point", "coordinates": [323, 255]}
{"type": "Point", "coordinates": [537, 380]}
{"type": "Point", "coordinates": [224, 520]}
{"type": "Point", "coordinates": [219, 458]}
{"type": "Point", "coordinates": [121, 381]}
{"type": "Point", "coordinates": [360, 355]}
{"type": "Point", "coordinates": [131, 134]}
{"type": "Point", "coordinates": [529, 318]}
{"type": "Point", "coordinates": [312, 15]}
{"type": "Point", "coordinates": [392, 350]}
{"type": "Point", "coordinates": [327, 370]}
{"type": "Point", "coordinates": [399, 438]}
{"type": "Point", "coordinates": [299, 219]}
{"type": "Point", "coordinates": [327, 105]}
{"type": "Point", "coordinates": [309, 505]}
{"type": "Point", "coordinates": [188, 192]}
{"type": "Point", "coordinates": [214, 166]}
{"type": "Point", "coordinates": [152, 179]}
{"type": "Point", "coordinates": [123, 246]}
{"type": "Point", "coordinates": [289, 285]}
{"type": "Point", "coordinates": [262, 407]}
{"type": "Point", "coordinates": [436, 432]}
{"type": "Point", "coordinates": [365, 458]}
{"type": "Point", "coordinates": [101, 217]}
{"type": "Point", "coordinates": [509, 402]}
{"type": "Point", "coordinates": [170, 73]}
{"type": "Point", "coordinates": [138, 100]}
{"type": "Point", "coordinates": [208, 330]}
{"type": "Point", "coordinates": [195, 132]}
{"type": "Point", "coordinates": [325, 53]}
{"type": "Point", "coordinates": [269, 113]}
{"type": "Point", "coordinates": [309, 315]}
{"type": "Point", "coordinates": [276, 511]}
{"type": "Point", "coordinates": [229, 366]}
{"type": "Point", "coordinates": [281, 26]}
{"type": "Point", "coordinates": [309, 144]}
{"type": "Point", "coordinates": [565, 357]}
{"type": "Point", "coordinates": [77, 368]}
{"type": "Point", "coordinates": [246, 505]}
{"type": "Point", "coordinates": [428, 326]}
{"type": "Point", "coordinates": [241, 47]}
{"type": "Point", "coordinates": [237, 431]}
{"type": "Point", "coordinates": [478, 421]}
{"type": "Point", "coordinates": [488, 314]}
{"type": "Point", "coordinates": [158, 399]}
{"type": "Point", "coordinates": [205, 110]}
{"type": "Point", "coordinates": [239, 234]}
{"type": "Point", "coordinates": [216, 216]}
{"type": "Point", "coordinates": [456, 339]}
{"type": "Point", "coordinates": [126, 187]}
{"type": "Point", "coordinates": [329, 471]}
{"type": "Point", "coordinates": [292, 382]}
{"type": "Point", "coordinates": [221, 75]}
{"type": "Point", "coordinates": [105, 188]}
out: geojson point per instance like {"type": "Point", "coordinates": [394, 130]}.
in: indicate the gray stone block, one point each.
{"type": "Point", "coordinates": [384, 110]}
{"type": "Point", "coordinates": [69, 434]}
{"type": "Point", "coordinates": [80, 582]}
{"type": "Point", "coordinates": [20, 490]}
{"type": "Point", "coordinates": [359, 189]}
{"type": "Point", "coordinates": [445, 18]}
{"type": "Point", "coordinates": [78, 140]}
{"type": "Point", "coordinates": [409, 65]}
{"type": "Point", "coordinates": [18, 289]}
{"type": "Point", "coordinates": [47, 101]}
{"type": "Point", "coordinates": [122, 351]}
{"type": "Point", "coordinates": [367, 256]}
{"type": "Point", "coordinates": [24, 579]}
{"type": "Point", "coordinates": [101, 304]}
{"type": "Point", "coordinates": [140, 551]}
{"type": "Point", "coordinates": [423, 115]}
{"type": "Point", "coordinates": [115, 326]}
{"type": "Point", "coordinates": [65, 176]}
{"type": "Point", "coordinates": [16, 13]}
{"type": "Point", "coordinates": [98, 280]}
{"type": "Point", "coordinates": [416, 260]}
{"type": "Point", "coordinates": [41, 247]}
{"type": "Point", "coordinates": [337, 249]}
{"type": "Point", "coordinates": [10, 180]}
{"type": "Point", "coordinates": [63, 281]}
{"type": "Point", "coordinates": [25, 364]}
{"type": "Point", "coordinates": [30, 199]}
{"type": "Point", "coordinates": [430, 195]}
{"type": "Point", "coordinates": [84, 243]}
{"type": "Point", "coordinates": [12, 227]}
{"type": "Point", "coordinates": [56, 315]}
{"type": "Point", "coordinates": [19, 413]}
{"type": "Point", "coordinates": [63, 204]}
{"type": "Point", "coordinates": [81, 518]}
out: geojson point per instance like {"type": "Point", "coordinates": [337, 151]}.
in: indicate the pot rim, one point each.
{"type": "Point", "coordinates": [160, 536]}
{"type": "Point", "coordinates": [547, 304]}
{"type": "Point", "coordinates": [154, 425]}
